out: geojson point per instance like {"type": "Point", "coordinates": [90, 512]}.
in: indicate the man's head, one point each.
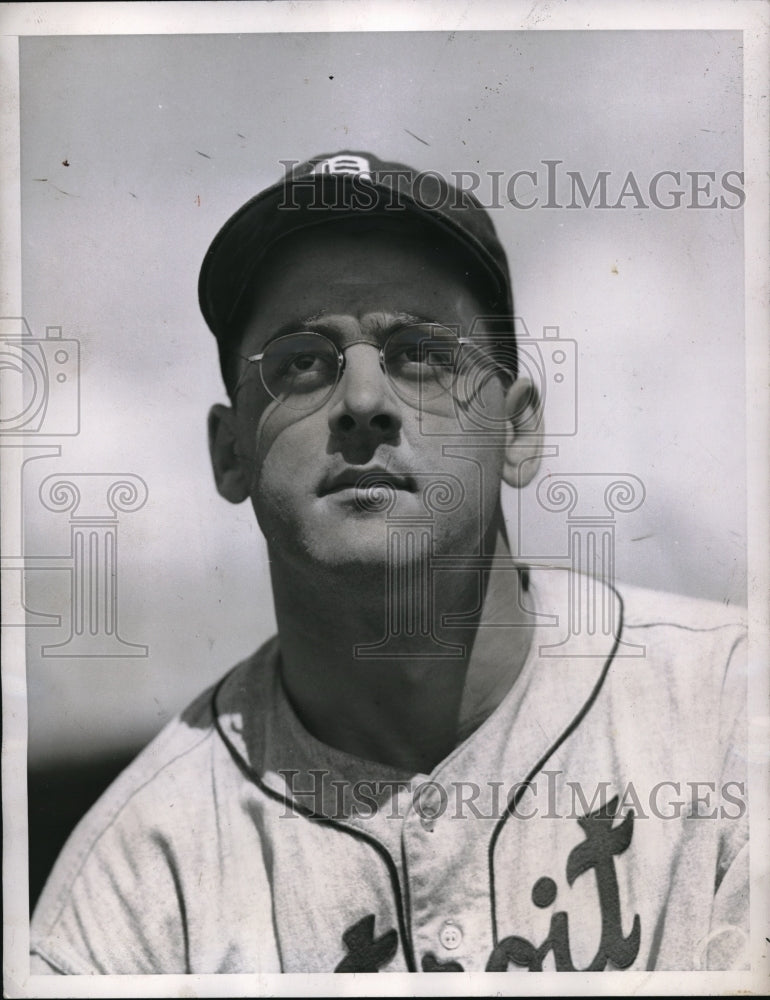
{"type": "Point", "coordinates": [369, 356]}
{"type": "Point", "coordinates": [346, 186]}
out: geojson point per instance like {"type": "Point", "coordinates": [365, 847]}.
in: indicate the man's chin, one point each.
{"type": "Point", "coordinates": [359, 547]}
{"type": "Point", "coordinates": [366, 547]}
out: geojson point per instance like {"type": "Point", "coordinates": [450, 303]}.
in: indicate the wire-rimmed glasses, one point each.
{"type": "Point", "coordinates": [421, 360]}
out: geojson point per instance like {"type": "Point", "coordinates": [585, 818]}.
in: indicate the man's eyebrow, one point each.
{"type": "Point", "coordinates": [401, 318]}
{"type": "Point", "coordinates": [308, 320]}
{"type": "Point", "coordinates": [320, 322]}
{"type": "Point", "coordinates": [295, 326]}
{"type": "Point", "coordinates": [313, 323]}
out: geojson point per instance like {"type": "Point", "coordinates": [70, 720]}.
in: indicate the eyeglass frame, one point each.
{"type": "Point", "coordinates": [256, 359]}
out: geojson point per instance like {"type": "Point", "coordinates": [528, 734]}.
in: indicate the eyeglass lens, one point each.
{"type": "Point", "coordinates": [302, 369]}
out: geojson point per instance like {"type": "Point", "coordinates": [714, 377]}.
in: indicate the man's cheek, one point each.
{"type": "Point", "coordinates": [272, 420]}
{"type": "Point", "coordinates": [286, 463]}
{"type": "Point", "coordinates": [263, 434]}
{"type": "Point", "coordinates": [273, 499]}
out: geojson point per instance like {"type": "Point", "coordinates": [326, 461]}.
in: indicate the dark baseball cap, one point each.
{"type": "Point", "coordinates": [340, 185]}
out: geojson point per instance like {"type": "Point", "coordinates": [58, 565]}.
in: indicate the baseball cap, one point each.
{"type": "Point", "coordinates": [341, 184]}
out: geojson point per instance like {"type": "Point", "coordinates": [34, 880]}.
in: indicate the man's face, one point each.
{"type": "Point", "coordinates": [352, 284]}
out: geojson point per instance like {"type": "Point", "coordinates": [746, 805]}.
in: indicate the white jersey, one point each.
{"type": "Point", "coordinates": [596, 820]}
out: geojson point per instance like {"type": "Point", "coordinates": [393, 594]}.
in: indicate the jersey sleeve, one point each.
{"type": "Point", "coordinates": [112, 904]}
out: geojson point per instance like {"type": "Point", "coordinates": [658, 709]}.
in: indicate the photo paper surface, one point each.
{"type": "Point", "coordinates": [457, 660]}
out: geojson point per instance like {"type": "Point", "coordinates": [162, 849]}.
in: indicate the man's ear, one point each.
{"type": "Point", "coordinates": [525, 431]}
{"type": "Point", "coordinates": [230, 471]}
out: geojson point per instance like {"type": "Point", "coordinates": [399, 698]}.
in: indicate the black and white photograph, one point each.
{"type": "Point", "coordinates": [384, 437]}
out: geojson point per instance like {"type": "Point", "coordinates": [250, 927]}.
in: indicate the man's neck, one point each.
{"type": "Point", "coordinates": [409, 701]}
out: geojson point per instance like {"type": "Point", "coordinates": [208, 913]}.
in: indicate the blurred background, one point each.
{"type": "Point", "coordinates": [134, 152]}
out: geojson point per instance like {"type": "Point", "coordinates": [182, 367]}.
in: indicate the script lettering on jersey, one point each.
{"type": "Point", "coordinates": [597, 852]}
{"type": "Point", "coordinates": [431, 964]}
{"type": "Point", "coordinates": [364, 952]}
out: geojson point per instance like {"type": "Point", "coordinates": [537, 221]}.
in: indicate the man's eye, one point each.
{"type": "Point", "coordinates": [411, 352]}
{"type": "Point", "coordinates": [408, 348]}
{"type": "Point", "coordinates": [303, 371]}
{"type": "Point", "coordinates": [304, 363]}
{"type": "Point", "coordinates": [425, 354]}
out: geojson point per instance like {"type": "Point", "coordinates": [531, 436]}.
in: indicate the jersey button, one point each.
{"type": "Point", "coordinates": [428, 805]}
{"type": "Point", "coordinates": [450, 935]}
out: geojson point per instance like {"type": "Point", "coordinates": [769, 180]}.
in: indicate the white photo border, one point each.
{"type": "Point", "coordinates": [336, 15]}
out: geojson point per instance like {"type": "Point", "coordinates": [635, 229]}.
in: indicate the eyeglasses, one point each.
{"type": "Point", "coordinates": [422, 362]}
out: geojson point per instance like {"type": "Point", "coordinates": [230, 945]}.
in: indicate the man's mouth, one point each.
{"type": "Point", "coordinates": [366, 479]}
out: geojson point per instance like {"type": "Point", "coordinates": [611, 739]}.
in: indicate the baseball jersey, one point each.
{"type": "Point", "coordinates": [597, 819]}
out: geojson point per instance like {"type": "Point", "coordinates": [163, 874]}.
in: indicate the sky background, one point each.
{"type": "Point", "coordinates": [165, 136]}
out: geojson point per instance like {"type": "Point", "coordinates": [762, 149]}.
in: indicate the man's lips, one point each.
{"type": "Point", "coordinates": [366, 479]}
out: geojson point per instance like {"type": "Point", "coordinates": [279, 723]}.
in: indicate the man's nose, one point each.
{"type": "Point", "coordinates": [364, 402]}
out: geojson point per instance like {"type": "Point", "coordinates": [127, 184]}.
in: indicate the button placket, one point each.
{"type": "Point", "coordinates": [445, 863]}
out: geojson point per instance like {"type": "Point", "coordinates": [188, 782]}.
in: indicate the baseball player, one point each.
{"type": "Point", "coordinates": [445, 760]}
